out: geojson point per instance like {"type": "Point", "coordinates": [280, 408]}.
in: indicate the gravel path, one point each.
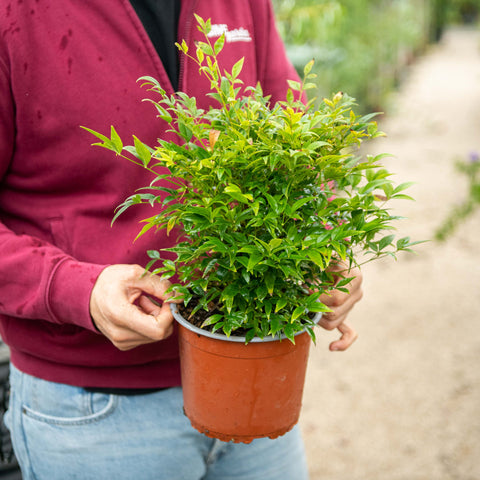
{"type": "Point", "coordinates": [404, 402]}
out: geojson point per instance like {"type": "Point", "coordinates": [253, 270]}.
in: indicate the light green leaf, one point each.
{"type": "Point", "coordinates": [235, 192]}
{"type": "Point", "coordinates": [318, 307]}
{"type": "Point", "coordinates": [274, 243]}
{"type": "Point", "coordinates": [200, 55]}
{"type": "Point", "coordinates": [294, 85]}
{"type": "Point", "coordinates": [205, 48]}
{"type": "Point", "coordinates": [237, 68]}
{"type": "Point", "coordinates": [219, 44]}
{"type": "Point", "coordinates": [170, 224]}
{"type": "Point", "coordinates": [142, 150]}
{"type": "Point", "coordinates": [116, 140]}
{"type": "Point", "coordinates": [308, 67]}
{"type": "Point", "coordinates": [403, 186]}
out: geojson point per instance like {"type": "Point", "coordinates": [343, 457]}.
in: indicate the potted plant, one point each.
{"type": "Point", "coordinates": [267, 201]}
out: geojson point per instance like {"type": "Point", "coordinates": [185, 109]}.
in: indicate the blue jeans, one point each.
{"type": "Point", "coordinates": [61, 432]}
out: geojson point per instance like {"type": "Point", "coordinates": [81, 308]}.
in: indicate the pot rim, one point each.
{"type": "Point", "coordinates": [233, 338]}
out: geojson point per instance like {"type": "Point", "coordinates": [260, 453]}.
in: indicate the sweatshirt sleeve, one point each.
{"type": "Point", "coordinates": [37, 280]}
{"type": "Point", "coordinates": [273, 65]}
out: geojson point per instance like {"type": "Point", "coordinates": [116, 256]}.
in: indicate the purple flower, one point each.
{"type": "Point", "coordinates": [474, 157]}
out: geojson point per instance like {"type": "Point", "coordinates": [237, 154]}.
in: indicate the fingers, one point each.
{"type": "Point", "coordinates": [349, 335]}
{"type": "Point", "coordinates": [162, 314]}
{"type": "Point", "coordinates": [128, 326]}
{"type": "Point", "coordinates": [117, 314]}
{"type": "Point", "coordinates": [341, 303]}
{"type": "Point", "coordinates": [153, 285]}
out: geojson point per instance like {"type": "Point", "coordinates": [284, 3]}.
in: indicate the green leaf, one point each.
{"type": "Point", "coordinates": [401, 196]}
{"type": "Point", "coordinates": [385, 241]}
{"type": "Point", "coordinates": [142, 150]}
{"type": "Point", "coordinates": [170, 224]}
{"type": "Point", "coordinates": [273, 203]}
{"type": "Point", "coordinates": [185, 131]}
{"type": "Point", "coordinates": [237, 68]}
{"type": "Point", "coordinates": [101, 137]}
{"type": "Point", "coordinates": [261, 292]}
{"type": "Point", "coordinates": [269, 279]}
{"type": "Point", "coordinates": [308, 67]}
{"type": "Point", "coordinates": [318, 307]}
{"type": "Point", "coordinates": [250, 335]}
{"type": "Point", "coordinates": [205, 48]}
{"type": "Point", "coordinates": [289, 333]}
{"type": "Point", "coordinates": [219, 44]}
{"type": "Point", "coordinates": [145, 229]}
{"type": "Point", "coordinates": [116, 140]}
{"type": "Point", "coordinates": [228, 296]}
{"type": "Point", "coordinates": [200, 21]}
{"type": "Point", "coordinates": [268, 308]}
{"type": "Point", "coordinates": [274, 243]}
{"type": "Point", "coordinates": [200, 55]}
{"type": "Point", "coordinates": [235, 192]}
{"type": "Point", "coordinates": [298, 312]}
{"type": "Point", "coordinates": [294, 85]}
{"type": "Point", "coordinates": [212, 319]}
{"type": "Point", "coordinates": [403, 186]}
{"type": "Point", "coordinates": [281, 304]}
{"type": "Point", "coordinates": [249, 249]}
{"type": "Point", "coordinates": [254, 260]}
{"type": "Point", "coordinates": [216, 245]}
{"type": "Point", "coordinates": [300, 203]}
{"type": "Point", "coordinates": [316, 257]}
{"type": "Point", "coordinates": [290, 97]}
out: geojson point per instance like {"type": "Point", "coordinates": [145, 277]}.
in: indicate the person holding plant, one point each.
{"type": "Point", "coordinates": [95, 372]}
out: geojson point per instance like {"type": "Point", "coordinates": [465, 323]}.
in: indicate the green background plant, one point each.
{"type": "Point", "coordinates": [471, 169]}
{"type": "Point", "coordinates": [364, 46]}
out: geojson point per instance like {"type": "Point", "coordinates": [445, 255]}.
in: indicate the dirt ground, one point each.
{"type": "Point", "coordinates": [404, 402]}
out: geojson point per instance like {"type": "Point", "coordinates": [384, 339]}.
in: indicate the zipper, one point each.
{"type": "Point", "coordinates": [138, 24]}
{"type": "Point", "coordinates": [185, 35]}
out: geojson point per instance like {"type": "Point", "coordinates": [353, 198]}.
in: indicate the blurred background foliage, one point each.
{"type": "Point", "coordinates": [362, 47]}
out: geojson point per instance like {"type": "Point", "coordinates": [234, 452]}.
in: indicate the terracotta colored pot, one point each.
{"type": "Point", "coordinates": [237, 392]}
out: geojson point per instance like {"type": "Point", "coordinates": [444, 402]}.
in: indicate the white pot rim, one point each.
{"type": "Point", "coordinates": [233, 338]}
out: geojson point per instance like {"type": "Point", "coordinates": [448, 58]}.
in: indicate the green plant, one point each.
{"type": "Point", "coordinates": [470, 168]}
{"type": "Point", "coordinates": [465, 11]}
{"type": "Point", "coordinates": [268, 199]}
{"type": "Point", "coordinates": [361, 46]}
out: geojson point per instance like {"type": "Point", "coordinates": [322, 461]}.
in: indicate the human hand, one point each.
{"type": "Point", "coordinates": [341, 303]}
{"type": "Point", "coordinates": [123, 313]}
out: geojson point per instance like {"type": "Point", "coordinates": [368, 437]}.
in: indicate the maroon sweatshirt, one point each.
{"type": "Point", "coordinates": [66, 64]}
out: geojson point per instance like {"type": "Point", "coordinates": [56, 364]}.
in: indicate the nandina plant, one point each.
{"type": "Point", "coordinates": [270, 200]}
